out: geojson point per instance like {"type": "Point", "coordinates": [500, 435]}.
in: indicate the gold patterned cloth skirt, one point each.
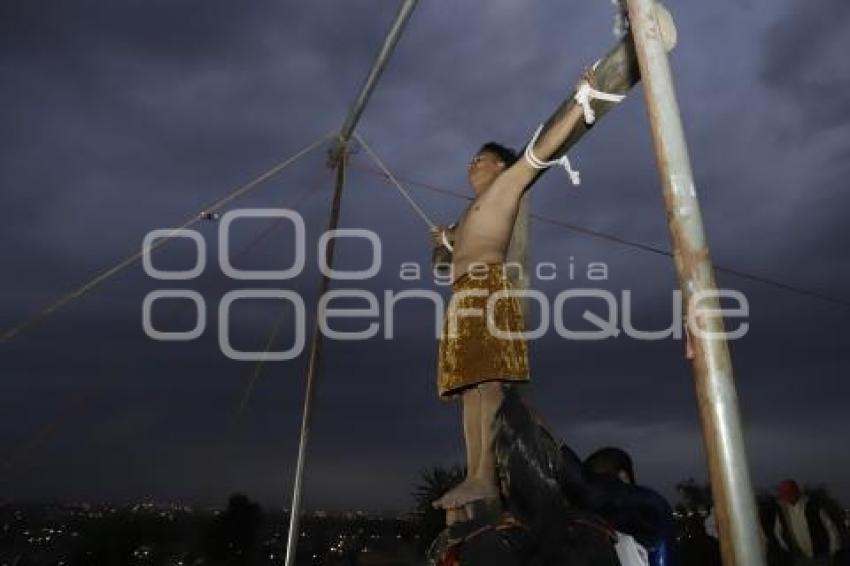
{"type": "Point", "coordinates": [469, 353]}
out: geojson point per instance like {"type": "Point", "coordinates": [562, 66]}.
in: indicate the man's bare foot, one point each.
{"type": "Point", "coordinates": [471, 489]}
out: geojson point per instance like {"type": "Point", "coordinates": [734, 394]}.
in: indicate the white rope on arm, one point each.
{"type": "Point", "coordinates": [586, 93]}
{"type": "Point", "coordinates": [536, 163]}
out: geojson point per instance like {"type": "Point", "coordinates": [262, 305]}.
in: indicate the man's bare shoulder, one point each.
{"type": "Point", "coordinates": [511, 183]}
{"type": "Point", "coordinates": [505, 190]}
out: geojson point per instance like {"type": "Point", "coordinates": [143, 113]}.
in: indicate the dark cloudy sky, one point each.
{"type": "Point", "coordinates": [126, 116]}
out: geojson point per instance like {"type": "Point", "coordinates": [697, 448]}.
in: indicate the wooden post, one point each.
{"type": "Point", "coordinates": [518, 250]}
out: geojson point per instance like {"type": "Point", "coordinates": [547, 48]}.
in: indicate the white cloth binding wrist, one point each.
{"type": "Point", "coordinates": [446, 241]}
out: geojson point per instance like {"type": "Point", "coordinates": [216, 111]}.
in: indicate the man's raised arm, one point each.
{"type": "Point", "coordinates": [610, 79]}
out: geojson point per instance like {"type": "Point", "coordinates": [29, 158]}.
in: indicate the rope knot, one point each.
{"type": "Point", "coordinates": [563, 161]}
{"type": "Point", "coordinates": [586, 93]}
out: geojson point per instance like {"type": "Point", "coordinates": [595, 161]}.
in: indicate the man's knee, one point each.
{"type": "Point", "coordinates": [471, 395]}
{"type": "Point", "coordinates": [491, 390]}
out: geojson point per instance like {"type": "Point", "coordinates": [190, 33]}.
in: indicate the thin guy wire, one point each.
{"type": "Point", "coordinates": [130, 260]}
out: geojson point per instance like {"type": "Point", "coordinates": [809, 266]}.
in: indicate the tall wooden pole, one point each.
{"type": "Point", "coordinates": [518, 252]}
{"type": "Point", "coordinates": [734, 502]}
{"type": "Point", "coordinates": [340, 155]}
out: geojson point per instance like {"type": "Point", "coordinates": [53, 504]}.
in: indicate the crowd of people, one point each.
{"type": "Point", "coordinates": [798, 527]}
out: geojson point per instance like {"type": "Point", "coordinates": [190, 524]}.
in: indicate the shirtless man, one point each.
{"type": "Point", "coordinates": [473, 363]}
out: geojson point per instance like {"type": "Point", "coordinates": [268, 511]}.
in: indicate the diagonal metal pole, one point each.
{"type": "Point", "coordinates": [393, 35]}
{"type": "Point", "coordinates": [339, 157]}
{"type": "Point", "coordinates": [734, 501]}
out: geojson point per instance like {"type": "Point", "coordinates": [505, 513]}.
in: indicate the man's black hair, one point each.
{"type": "Point", "coordinates": [506, 154]}
{"type": "Point", "coordinates": [610, 461]}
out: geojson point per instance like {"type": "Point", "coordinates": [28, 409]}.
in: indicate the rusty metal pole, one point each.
{"type": "Point", "coordinates": [339, 156]}
{"type": "Point", "coordinates": [734, 502]}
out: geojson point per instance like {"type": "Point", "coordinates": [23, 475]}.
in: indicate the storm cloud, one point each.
{"type": "Point", "coordinates": [123, 117]}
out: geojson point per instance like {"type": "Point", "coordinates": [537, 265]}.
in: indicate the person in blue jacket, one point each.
{"type": "Point", "coordinates": [633, 509]}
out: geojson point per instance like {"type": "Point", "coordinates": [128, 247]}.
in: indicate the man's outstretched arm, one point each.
{"type": "Point", "coordinates": [615, 74]}
{"type": "Point", "coordinates": [555, 132]}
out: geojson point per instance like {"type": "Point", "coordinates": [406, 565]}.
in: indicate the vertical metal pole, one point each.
{"type": "Point", "coordinates": [734, 502]}
{"type": "Point", "coordinates": [312, 369]}
{"type": "Point", "coordinates": [340, 155]}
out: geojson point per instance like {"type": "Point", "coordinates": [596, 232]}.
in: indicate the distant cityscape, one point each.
{"type": "Point", "coordinates": [243, 533]}
{"type": "Point", "coordinates": [177, 535]}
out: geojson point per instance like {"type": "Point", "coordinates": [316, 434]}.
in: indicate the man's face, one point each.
{"type": "Point", "coordinates": [483, 170]}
